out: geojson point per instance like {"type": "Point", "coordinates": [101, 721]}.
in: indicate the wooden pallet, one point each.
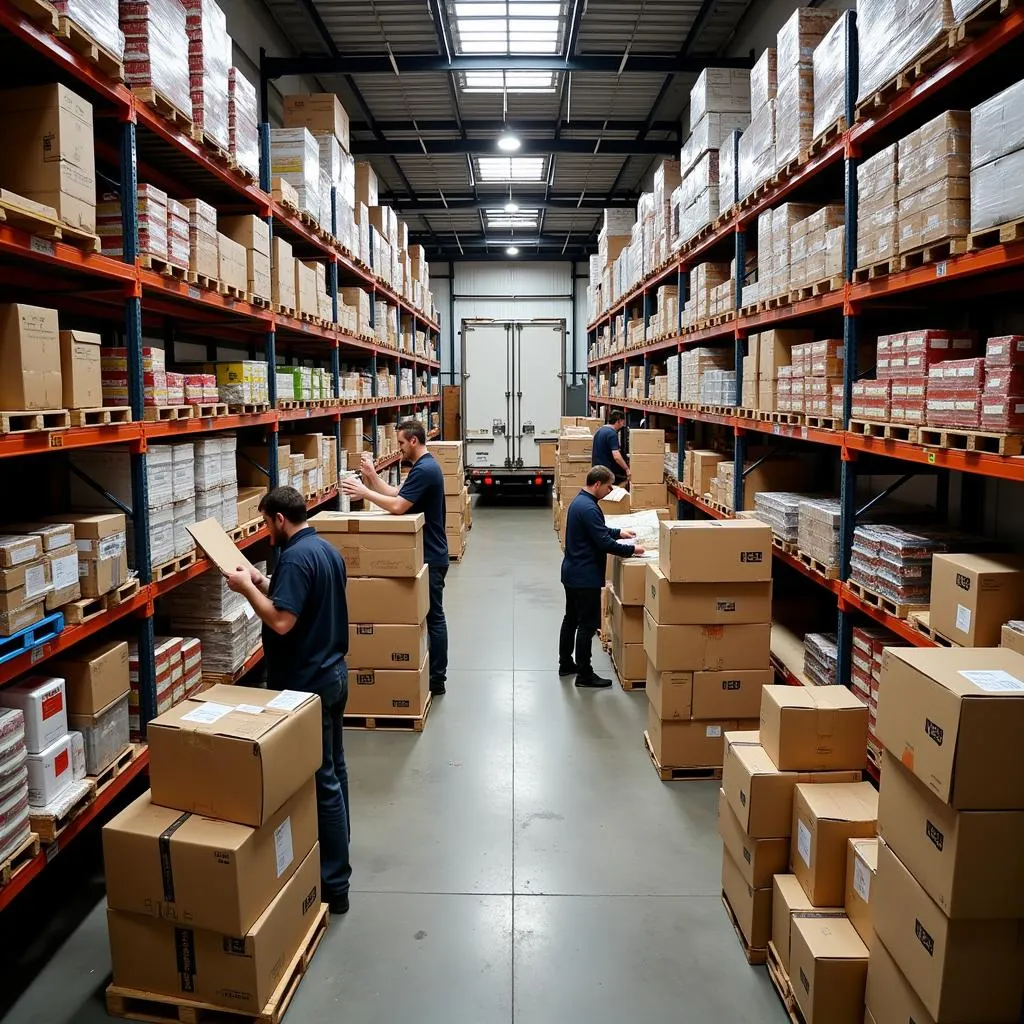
{"type": "Point", "coordinates": [42, 221]}
{"type": "Point", "coordinates": [921, 621]}
{"type": "Point", "coordinates": [827, 286]}
{"type": "Point", "coordinates": [93, 51]}
{"type": "Point", "coordinates": [824, 422]}
{"type": "Point", "coordinates": [830, 572]}
{"type": "Point", "coordinates": [979, 21]}
{"type": "Point", "coordinates": [100, 417]}
{"type": "Point", "coordinates": [882, 97]}
{"type": "Point", "coordinates": [785, 546]}
{"type": "Point", "coordinates": [30, 422]}
{"type": "Point", "coordinates": [84, 610]}
{"type": "Point", "coordinates": [390, 723]}
{"type": "Point", "coordinates": [205, 410]}
{"type": "Point", "coordinates": [202, 281]}
{"type": "Point", "coordinates": [205, 139]}
{"type": "Point", "coordinates": [287, 311]}
{"type": "Point", "coordinates": [74, 801]}
{"type": "Point", "coordinates": [667, 774]}
{"type": "Point", "coordinates": [240, 294]}
{"type": "Point", "coordinates": [260, 302]}
{"type": "Point", "coordinates": [167, 109]}
{"type": "Point", "coordinates": [1001, 234]}
{"type": "Point", "coordinates": [28, 850]}
{"type": "Point", "coordinates": [754, 956]}
{"type": "Point", "coordinates": [981, 441]}
{"type": "Point", "coordinates": [899, 611]}
{"type": "Point", "coordinates": [123, 593]}
{"type": "Point", "coordinates": [244, 530]}
{"type": "Point", "coordinates": [102, 781]}
{"type": "Point", "coordinates": [629, 685]}
{"type": "Point", "coordinates": [936, 252]}
{"type": "Point", "coordinates": [169, 568]}
{"type": "Point", "coordinates": [38, 11]}
{"type": "Point", "coordinates": [162, 267]}
{"type": "Point", "coordinates": [247, 408]}
{"type": "Point", "coordinates": [872, 271]}
{"type": "Point", "coordinates": [791, 419]}
{"type": "Point", "coordinates": [161, 413]}
{"type": "Point", "coordinates": [889, 431]}
{"type": "Point", "coordinates": [131, 1004]}
{"type": "Point", "coordinates": [781, 984]}
{"type": "Point", "coordinates": [828, 136]}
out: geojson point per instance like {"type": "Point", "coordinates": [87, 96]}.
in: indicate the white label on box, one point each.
{"type": "Point", "coordinates": [713, 731]}
{"type": "Point", "coordinates": [283, 852]}
{"type": "Point", "coordinates": [287, 700]}
{"type": "Point", "coordinates": [249, 709]}
{"type": "Point", "coordinates": [207, 713]}
{"type": "Point", "coordinates": [248, 610]}
{"type": "Point", "coordinates": [35, 580]}
{"type": "Point", "coordinates": [112, 545]}
{"type": "Point", "coordinates": [963, 619]}
{"type": "Point", "coordinates": [861, 880]}
{"type": "Point", "coordinates": [994, 680]}
{"type": "Point", "coordinates": [803, 842]}
{"type": "Point", "coordinates": [65, 571]}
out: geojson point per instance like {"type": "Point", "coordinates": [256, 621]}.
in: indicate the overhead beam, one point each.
{"type": "Point", "coordinates": [522, 124]}
{"type": "Point", "coordinates": [529, 147]}
{"type": "Point", "coordinates": [527, 200]}
{"type": "Point", "coordinates": [481, 241]}
{"type": "Point", "coordinates": [414, 63]}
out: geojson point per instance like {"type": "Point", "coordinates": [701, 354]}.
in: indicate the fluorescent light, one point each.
{"type": "Point", "coordinates": [508, 143]}
{"type": "Point", "coordinates": [512, 250]}
{"type": "Point", "coordinates": [511, 207]}
{"type": "Point", "coordinates": [515, 168]}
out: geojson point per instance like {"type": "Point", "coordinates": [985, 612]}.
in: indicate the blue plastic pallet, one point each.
{"type": "Point", "coordinates": [31, 636]}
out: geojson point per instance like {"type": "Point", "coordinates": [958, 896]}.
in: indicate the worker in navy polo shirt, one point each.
{"type": "Point", "coordinates": [305, 639]}
{"type": "Point", "coordinates": [421, 491]}
{"type": "Point", "coordinates": [588, 540]}
{"type": "Point", "coordinates": [606, 447]}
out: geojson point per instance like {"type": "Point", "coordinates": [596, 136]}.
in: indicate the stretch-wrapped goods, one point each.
{"type": "Point", "coordinates": [243, 122]}
{"type": "Point", "coordinates": [156, 48]}
{"type": "Point", "coordinates": [99, 18]}
{"type": "Point", "coordinates": [830, 73]}
{"type": "Point", "coordinates": [756, 161]}
{"type": "Point", "coordinates": [209, 58]}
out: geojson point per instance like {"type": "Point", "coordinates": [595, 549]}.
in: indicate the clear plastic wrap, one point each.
{"type": "Point", "coordinates": [295, 157]}
{"type": "Point", "coordinates": [892, 33]}
{"type": "Point", "coordinates": [720, 91]}
{"type": "Point", "coordinates": [156, 52]}
{"type": "Point", "coordinates": [830, 72]}
{"type": "Point", "coordinates": [209, 60]}
{"type": "Point", "coordinates": [799, 36]}
{"type": "Point", "coordinates": [764, 254]}
{"type": "Point", "coordinates": [997, 126]}
{"type": "Point", "coordinates": [961, 8]}
{"type": "Point", "coordinates": [763, 80]}
{"type": "Point", "coordinates": [243, 122]}
{"type": "Point", "coordinates": [710, 132]}
{"type": "Point", "coordinates": [99, 18]}
{"type": "Point", "coordinates": [940, 149]}
{"type": "Point", "coordinates": [104, 734]}
{"type": "Point", "coordinates": [756, 158]}
{"type": "Point", "coordinates": [794, 115]}
{"type": "Point", "coordinates": [997, 192]}
{"type": "Point", "coordinates": [727, 194]}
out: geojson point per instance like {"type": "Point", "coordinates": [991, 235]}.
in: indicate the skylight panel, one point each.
{"type": "Point", "coordinates": [509, 81]}
{"type": "Point", "coordinates": [515, 168]}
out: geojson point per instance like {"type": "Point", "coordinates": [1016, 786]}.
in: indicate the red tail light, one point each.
{"type": "Point", "coordinates": [488, 481]}
{"type": "Point", "coordinates": [539, 481]}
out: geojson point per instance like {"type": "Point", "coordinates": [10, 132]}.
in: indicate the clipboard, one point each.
{"type": "Point", "coordinates": [218, 546]}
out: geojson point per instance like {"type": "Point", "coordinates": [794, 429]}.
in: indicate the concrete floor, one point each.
{"type": "Point", "coordinates": [517, 861]}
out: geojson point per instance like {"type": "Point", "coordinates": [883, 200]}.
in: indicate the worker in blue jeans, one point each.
{"type": "Point", "coordinates": [304, 611]}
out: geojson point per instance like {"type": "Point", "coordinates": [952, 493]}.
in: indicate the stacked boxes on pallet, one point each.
{"type": "Point", "coordinates": [830, 72]}
{"type": "Point", "coordinates": [647, 488]}
{"type": "Point", "coordinates": [625, 608]}
{"type": "Point", "coordinates": [219, 930]}
{"type": "Point", "coordinates": [14, 826]}
{"type": "Point", "coordinates": [253, 234]}
{"type": "Point", "coordinates": [209, 60]}
{"type": "Point", "coordinates": [243, 122]}
{"type": "Point", "coordinates": [156, 51]}
{"type": "Point", "coordinates": [99, 18]}
{"type": "Point", "coordinates": [456, 494]}
{"type": "Point", "coordinates": [997, 155]}
{"type": "Point", "coordinates": [575, 454]}
{"type": "Point", "coordinates": [707, 624]}
{"type": "Point", "coordinates": [388, 598]}
{"type": "Point", "coordinates": [38, 573]}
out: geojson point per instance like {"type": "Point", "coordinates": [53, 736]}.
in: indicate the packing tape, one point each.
{"type": "Point", "coordinates": [166, 868]}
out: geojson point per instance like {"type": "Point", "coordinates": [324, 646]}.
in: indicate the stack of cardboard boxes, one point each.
{"type": "Point", "coordinates": [707, 626]}
{"type": "Point", "coordinates": [15, 831]}
{"type": "Point", "coordinates": [388, 599]}
{"type": "Point", "coordinates": [253, 235]}
{"type": "Point", "coordinates": [647, 469]}
{"type": "Point", "coordinates": [575, 452]}
{"type": "Point", "coordinates": [625, 619]}
{"type": "Point", "coordinates": [456, 494]}
{"type": "Point", "coordinates": [38, 573]}
{"type": "Point", "coordinates": [213, 876]}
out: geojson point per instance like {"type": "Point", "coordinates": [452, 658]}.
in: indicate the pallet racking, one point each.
{"type": "Point", "coordinates": [128, 298]}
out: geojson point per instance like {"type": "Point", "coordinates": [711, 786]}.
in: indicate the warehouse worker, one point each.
{"type": "Point", "coordinates": [587, 543]}
{"type": "Point", "coordinates": [422, 491]}
{"type": "Point", "coordinates": [305, 639]}
{"type": "Point", "coordinates": [606, 447]}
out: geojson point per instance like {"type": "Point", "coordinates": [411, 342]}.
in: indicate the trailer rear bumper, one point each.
{"type": "Point", "coordinates": [503, 481]}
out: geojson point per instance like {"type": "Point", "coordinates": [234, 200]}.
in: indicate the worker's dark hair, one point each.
{"type": "Point", "coordinates": [285, 501]}
{"type": "Point", "coordinates": [615, 417]}
{"type": "Point", "coordinates": [413, 428]}
{"type": "Point", "coordinates": [599, 475]}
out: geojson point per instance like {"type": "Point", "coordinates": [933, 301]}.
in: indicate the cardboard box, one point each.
{"type": "Point", "coordinates": [711, 648]}
{"type": "Point", "coordinates": [42, 702]}
{"type": "Point", "coordinates": [646, 469]}
{"type": "Point", "coordinates": [388, 691]}
{"type": "Point", "coordinates": [374, 544]}
{"type": "Point", "coordinates": [729, 694]}
{"type": "Point", "coordinates": [628, 579]}
{"type": "Point", "coordinates": [50, 771]}
{"type": "Point", "coordinates": [20, 549]}
{"type": "Point", "coordinates": [751, 907]}
{"type": "Point", "coordinates": [705, 603]}
{"type": "Point", "coordinates": [966, 970]}
{"type": "Point", "coordinates": [249, 231]}
{"type": "Point", "coordinates": [627, 622]}
{"type": "Point", "coordinates": [788, 902]}
{"type": "Point", "coordinates": [630, 661]}
{"type": "Point", "coordinates": [969, 862]}
{"type": "Point", "coordinates": [1012, 639]}
{"type": "Point", "coordinates": [282, 281]}
{"type": "Point", "coordinates": [954, 717]}
{"type": "Point", "coordinates": [813, 728]}
{"type": "Point", "coordinates": [30, 355]}
{"type": "Point", "coordinates": [704, 465]}
{"type": "Point", "coordinates": [670, 694]}
{"type": "Point", "coordinates": [238, 972]}
{"type": "Point", "coordinates": [319, 112]}
{"type": "Point", "coordinates": [646, 442]}
{"type": "Point", "coordinates": [209, 758]}
{"type": "Point", "coordinates": [684, 744]}
{"type": "Point", "coordinates": [825, 816]}
{"type": "Point", "coordinates": [200, 872]}
{"type": "Point", "coordinates": [861, 864]}
{"type": "Point", "coordinates": [720, 551]}
{"type": "Point", "coordinates": [80, 373]}
{"type": "Point", "coordinates": [647, 496]}
{"type": "Point", "coordinates": [890, 997]}
{"type": "Point", "coordinates": [828, 970]}
{"type": "Point", "coordinates": [396, 600]}
{"type": "Point", "coordinates": [759, 794]}
{"type": "Point", "coordinates": [94, 676]}
{"type": "Point", "coordinates": [386, 646]}
{"type": "Point", "coordinates": [758, 859]}
{"type": "Point", "coordinates": [973, 595]}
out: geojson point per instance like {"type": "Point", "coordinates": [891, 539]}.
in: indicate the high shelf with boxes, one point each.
{"type": "Point", "coordinates": [144, 342]}
{"type": "Point", "coordinates": [866, 351]}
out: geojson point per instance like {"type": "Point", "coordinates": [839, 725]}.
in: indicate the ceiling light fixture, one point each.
{"type": "Point", "coordinates": [511, 207]}
{"type": "Point", "coordinates": [508, 143]}
{"type": "Point", "coordinates": [512, 250]}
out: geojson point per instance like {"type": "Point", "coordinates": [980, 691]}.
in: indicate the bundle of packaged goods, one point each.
{"type": "Point", "coordinates": [153, 221]}
{"type": "Point", "coordinates": [243, 383]}
{"type": "Point", "coordinates": [818, 531]}
{"type": "Point", "coordinates": [813, 379]}
{"type": "Point", "coordinates": [209, 59]}
{"type": "Point", "coordinates": [775, 232]}
{"type": "Point", "coordinates": [770, 353]}
{"type": "Point", "coordinates": [15, 829]}
{"type": "Point", "coordinates": [204, 251]}
{"type": "Point", "coordinates": [219, 931]}
{"type": "Point", "coordinates": [456, 495]}
{"type": "Point", "coordinates": [773, 474]}
{"type": "Point", "coordinates": [575, 452]}
{"type": "Point", "coordinates": [781, 511]}
{"type": "Point", "coordinates": [99, 18]}
{"type": "Point", "coordinates": [295, 159]}
{"type": "Point", "coordinates": [50, 573]}
{"type": "Point", "coordinates": [866, 675]}
{"type": "Point", "coordinates": [877, 206]}
{"type": "Point", "coordinates": [756, 151]}
{"type": "Point", "coordinates": [821, 658]}
{"type": "Point", "coordinates": [156, 50]}
{"type": "Point", "coordinates": [895, 563]}
{"type": "Point", "coordinates": [179, 247]}
{"type": "Point", "coordinates": [1002, 401]}
{"type": "Point", "coordinates": [791, 798]}
{"type": "Point", "coordinates": [243, 122]}
{"type": "Point", "coordinates": [997, 155]}
{"type": "Point", "coordinates": [389, 595]}
{"type": "Point", "coordinates": [253, 235]}
{"type": "Point", "coordinates": [612, 240]}
{"type": "Point", "coordinates": [830, 71]}
{"type": "Point", "coordinates": [817, 247]}
{"type": "Point", "coordinates": [708, 655]}
{"type": "Point", "coordinates": [216, 485]}
{"type": "Point", "coordinates": [948, 897]}
{"type": "Point", "coordinates": [101, 543]}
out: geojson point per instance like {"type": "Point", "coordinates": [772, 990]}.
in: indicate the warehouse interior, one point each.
{"type": "Point", "coordinates": [758, 259]}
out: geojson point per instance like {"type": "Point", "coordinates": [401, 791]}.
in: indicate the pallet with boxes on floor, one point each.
{"type": "Point", "coordinates": [456, 495]}
{"type": "Point", "coordinates": [388, 598]}
{"type": "Point", "coordinates": [707, 639]}
{"type": "Point", "coordinates": [192, 936]}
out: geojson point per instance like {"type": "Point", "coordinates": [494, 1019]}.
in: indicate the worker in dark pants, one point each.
{"type": "Point", "coordinates": [422, 491]}
{"type": "Point", "coordinates": [587, 543]}
{"type": "Point", "coordinates": [304, 613]}
{"type": "Point", "coordinates": [606, 447]}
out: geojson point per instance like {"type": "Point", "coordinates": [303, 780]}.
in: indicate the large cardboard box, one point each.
{"type": "Point", "coordinates": [962, 970]}
{"type": "Point", "coordinates": [705, 603]}
{"type": "Point", "coordinates": [971, 863]}
{"type": "Point", "coordinates": [214, 755]}
{"type": "Point", "coordinates": [670, 693]}
{"type": "Point", "coordinates": [720, 551]}
{"type": "Point", "coordinates": [647, 496]}
{"type": "Point", "coordinates": [386, 646]}
{"type": "Point", "coordinates": [828, 970]}
{"type": "Point", "coordinates": [954, 717]}
{"type": "Point", "coordinates": [758, 859]}
{"type": "Point", "coordinates": [891, 999]}
{"type": "Point", "coordinates": [712, 648]}
{"type": "Point", "coordinates": [448, 454]}
{"type": "Point", "coordinates": [825, 816]}
{"type": "Point", "coordinates": [703, 465]}
{"type": "Point", "coordinates": [646, 442]}
{"type": "Point", "coordinates": [94, 676]}
{"type": "Point", "coordinates": [319, 112]}
{"type": "Point", "coordinates": [729, 694]}
{"type": "Point", "coordinates": [861, 865]}
{"type": "Point", "coordinates": [388, 691]}
{"type": "Point", "coordinates": [80, 372]}
{"type": "Point", "coordinates": [627, 621]}
{"type": "Point", "coordinates": [30, 356]}
{"type": "Point", "coordinates": [973, 595]}
{"type": "Point", "coordinates": [628, 580]}
{"type": "Point", "coordinates": [247, 230]}
{"type": "Point", "coordinates": [576, 448]}
{"type": "Point", "coordinates": [200, 872]}
{"type": "Point", "coordinates": [630, 661]}
{"type": "Point", "coordinates": [1012, 639]}
{"type": "Point", "coordinates": [683, 744]}
{"type": "Point", "coordinates": [752, 907]}
{"type": "Point", "coordinates": [374, 544]}
{"type": "Point", "coordinates": [239, 972]}
{"type": "Point", "coordinates": [813, 728]}
{"type": "Point", "coordinates": [646, 469]}
{"type": "Point", "coordinates": [282, 280]}
{"type": "Point", "coordinates": [383, 599]}
{"type": "Point", "coordinates": [788, 902]}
